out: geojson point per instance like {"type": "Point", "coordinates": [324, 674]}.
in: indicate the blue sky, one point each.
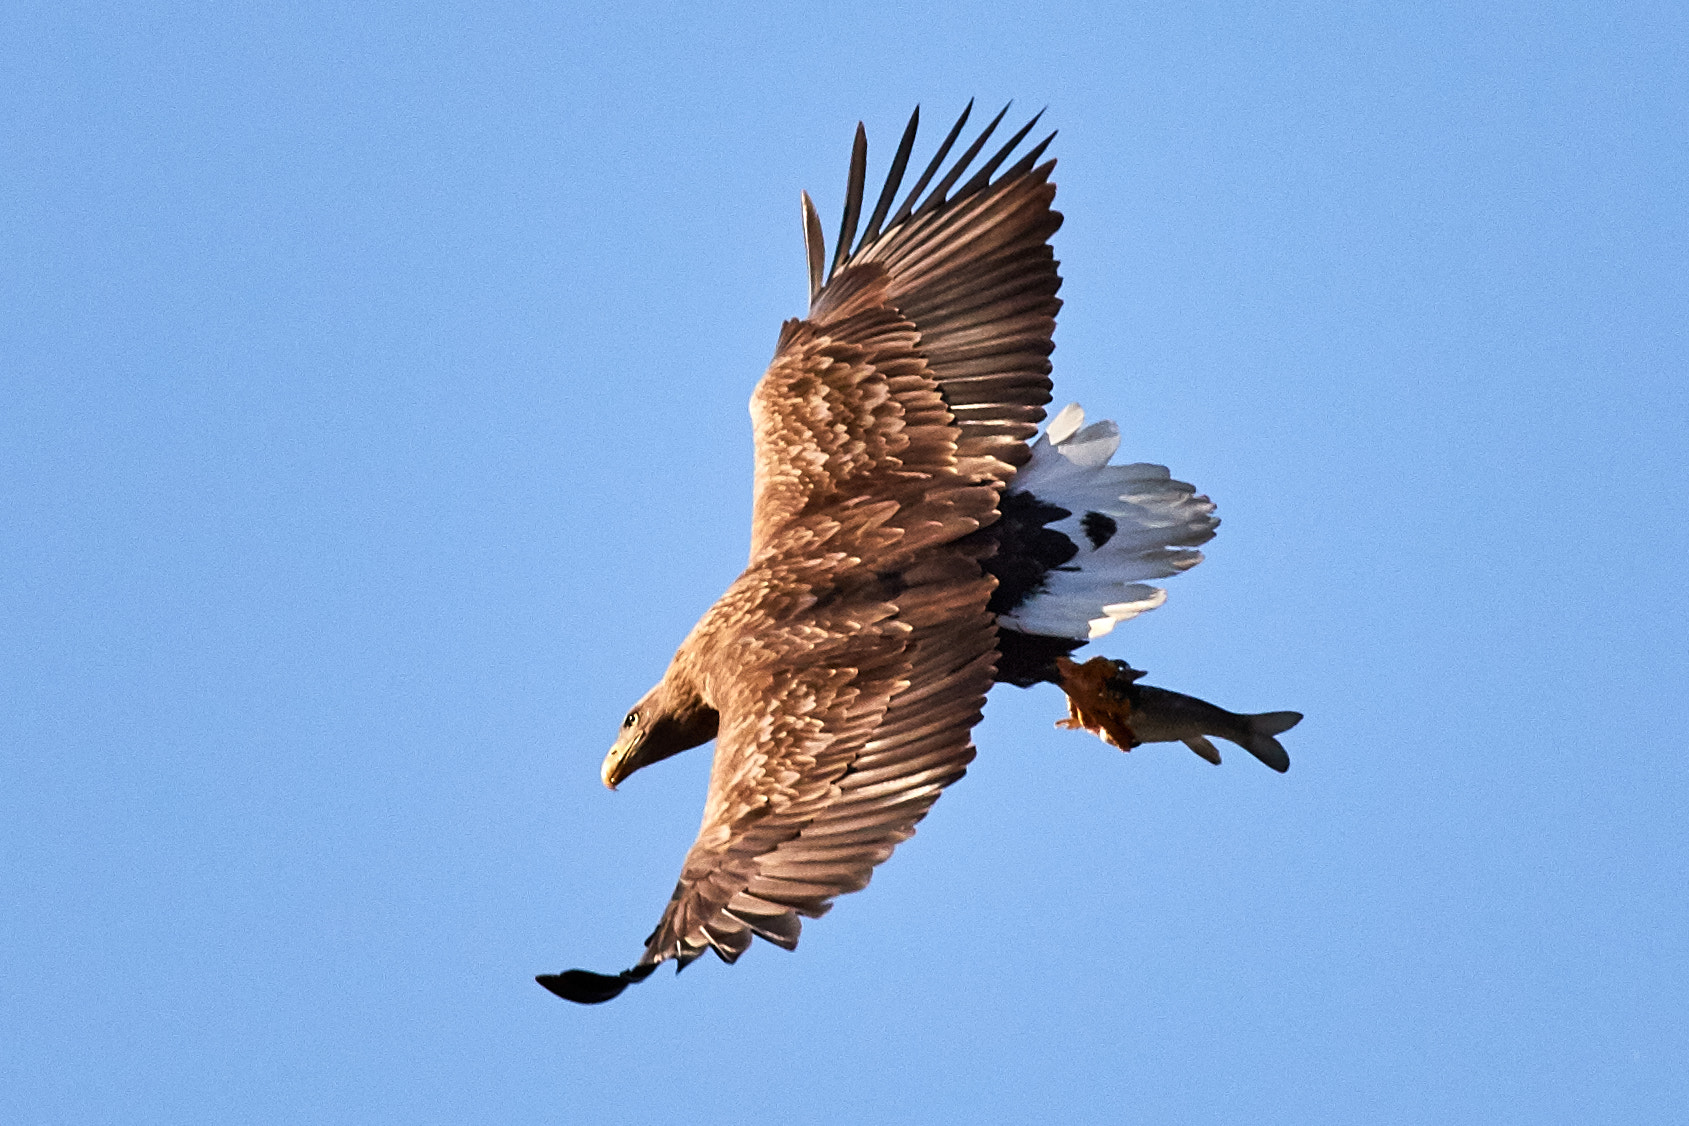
{"type": "Point", "coordinates": [374, 427]}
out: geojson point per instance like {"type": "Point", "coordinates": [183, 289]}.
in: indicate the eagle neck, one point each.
{"type": "Point", "coordinates": [684, 684]}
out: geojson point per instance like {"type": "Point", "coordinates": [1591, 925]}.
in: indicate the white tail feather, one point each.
{"type": "Point", "coordinates": [1129, 522]}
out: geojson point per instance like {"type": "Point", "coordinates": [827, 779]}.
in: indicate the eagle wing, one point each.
{"type": "Point", "coordinates": [851, 660]}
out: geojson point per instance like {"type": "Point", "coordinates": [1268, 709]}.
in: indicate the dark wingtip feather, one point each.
{"type": "Point", "coordinates": [938, 195]}
{"type": "Point", "coordinates": [932, 168]}
{"type": "Point", "coordinates": [814, 245]}
{"type": "Point", "coordinates": [982, 178]}
{"type": "Point", "coordinates": [894, 178]}
{"type": "Point", "coordinates": [853, 198]}
{"type": "Point", "coordinates": [1025, 163]}
{"type": "Point", "coordinates": [919, 201]}
{"type": "Point", "coordinates": [587, 988]}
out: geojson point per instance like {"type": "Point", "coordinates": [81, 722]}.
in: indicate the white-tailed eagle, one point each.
{"type": "Point", "coordinates": [911, 546]}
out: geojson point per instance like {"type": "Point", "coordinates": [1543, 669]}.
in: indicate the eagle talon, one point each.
{"type": "Point", "coordinates": [1099, 699]}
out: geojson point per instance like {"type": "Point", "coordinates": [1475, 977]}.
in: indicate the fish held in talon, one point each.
{"type": "Point", "coordinates": [1105, 698]}
{"type": "Point", "coordinates": [915, 540]}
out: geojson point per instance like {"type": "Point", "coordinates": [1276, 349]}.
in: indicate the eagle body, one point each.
{"type": "Point", "coordinates": [911, 546]}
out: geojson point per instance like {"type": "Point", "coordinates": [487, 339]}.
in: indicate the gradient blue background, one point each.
{"type": "Point", "coordinates": [372, 426]}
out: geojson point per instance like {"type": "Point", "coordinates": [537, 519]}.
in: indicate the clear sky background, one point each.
{"type": "Point", "coordinates": [372, 427]}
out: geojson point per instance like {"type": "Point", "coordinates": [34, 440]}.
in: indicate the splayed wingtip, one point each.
{"type": "Point", "coordinates": [587, 988]}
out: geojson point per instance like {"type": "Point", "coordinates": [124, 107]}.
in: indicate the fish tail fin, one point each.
{"type": "Point", "coordinates": [1260, 741]}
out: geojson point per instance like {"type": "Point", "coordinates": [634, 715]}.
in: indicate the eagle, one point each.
{"type": "Point", "coordinates": [911, 546]}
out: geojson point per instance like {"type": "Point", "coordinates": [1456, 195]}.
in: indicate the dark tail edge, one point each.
{"type": "Point", "coordinates": [584, 987]}
{"type": "Point", "coordinates": [1261, 743]}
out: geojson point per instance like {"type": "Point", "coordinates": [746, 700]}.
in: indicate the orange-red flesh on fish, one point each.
{"type": "Point", "coordinates": [1097, 701]}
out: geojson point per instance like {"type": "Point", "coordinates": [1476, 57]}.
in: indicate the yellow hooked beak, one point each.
{"type": "Point", "coordinates": [615, 763]}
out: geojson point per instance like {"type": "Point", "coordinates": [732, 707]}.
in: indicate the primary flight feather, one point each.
{"type": "Point", "coordinates": [910, 547]}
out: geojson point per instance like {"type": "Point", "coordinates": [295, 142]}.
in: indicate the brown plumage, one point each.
{"type": "Point", "coordinates": [842, 673]}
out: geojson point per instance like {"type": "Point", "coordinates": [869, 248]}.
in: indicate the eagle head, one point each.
{"type": "Point", "coordinates": [663, 723]}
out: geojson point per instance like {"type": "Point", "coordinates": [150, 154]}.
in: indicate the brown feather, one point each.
{"type": "Point", "coordinates": [850, 661]}
{"type": "Point", "coordinates": [815, 246]}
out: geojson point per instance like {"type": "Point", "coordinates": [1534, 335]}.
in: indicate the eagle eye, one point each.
{"type": "Point", "coordinates": [630, 720]}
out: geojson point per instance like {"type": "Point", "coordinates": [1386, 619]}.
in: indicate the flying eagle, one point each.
{"type": "Point", "coordinates": [910, 547]}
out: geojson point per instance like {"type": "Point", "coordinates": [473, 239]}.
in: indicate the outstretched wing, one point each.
{"type": "Point", "coordinates": [885, 429]}
{"type": "Point", "coordinates": [833, 745]}
{"type": "Point", "coordinates": [974, 271]}
{"type": "Point", "coordinates": [971, 270]}
{"type": "Point", "coordinates": [851, 660]}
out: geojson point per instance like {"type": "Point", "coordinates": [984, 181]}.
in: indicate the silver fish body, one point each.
{"type": "Point", "coordinates": [1160, 716]}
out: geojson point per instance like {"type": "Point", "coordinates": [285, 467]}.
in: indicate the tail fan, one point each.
{"type": "Point", "coordinates": [1126, 523]}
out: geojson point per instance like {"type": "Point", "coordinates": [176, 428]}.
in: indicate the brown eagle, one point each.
{"type": "Point", "coordinates": [911, 546]}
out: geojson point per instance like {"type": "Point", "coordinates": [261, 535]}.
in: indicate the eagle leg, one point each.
{"type": "Point", "coordinates": [1099, 699]}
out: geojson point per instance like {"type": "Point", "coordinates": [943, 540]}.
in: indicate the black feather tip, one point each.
{"type": "Point", "coordinates": [587, 988]}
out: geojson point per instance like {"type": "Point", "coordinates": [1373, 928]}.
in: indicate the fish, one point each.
{"type": "Point", "coordinates": [1125, 713]}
